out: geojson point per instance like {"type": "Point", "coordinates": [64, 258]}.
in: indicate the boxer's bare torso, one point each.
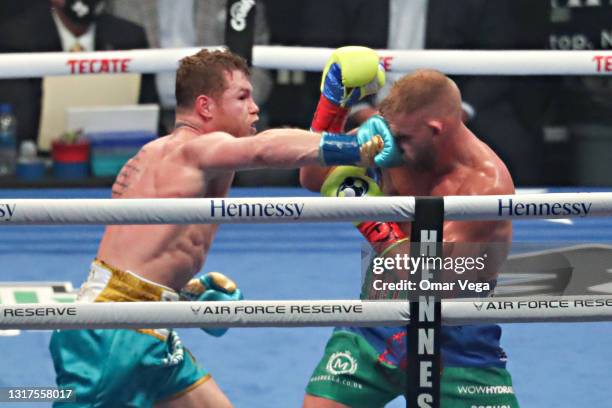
{"type": "Point", "coordinates": [196, 160]}
{"type": "Point", "coordinates": [166, 254]}
{"type": "Point", "coordinates": [472, 169]}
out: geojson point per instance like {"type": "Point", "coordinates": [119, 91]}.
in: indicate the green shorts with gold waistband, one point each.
{"type": "Point", "coordinates": [118, 367]}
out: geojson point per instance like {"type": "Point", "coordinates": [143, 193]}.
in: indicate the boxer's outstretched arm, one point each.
{"type": "Point", "coordinates": [274, 148]}
{"type": "Point", "coordinates": [374, 145]}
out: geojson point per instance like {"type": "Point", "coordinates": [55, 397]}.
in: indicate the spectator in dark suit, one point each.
{"type": "Point", "coordinates": [66, 25]}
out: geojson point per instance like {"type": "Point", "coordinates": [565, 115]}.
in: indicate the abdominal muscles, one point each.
{"type": "Point", "coordinates": [166, 254]}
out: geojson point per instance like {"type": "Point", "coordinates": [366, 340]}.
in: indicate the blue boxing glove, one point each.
{"type": "Point", "coordinates": [214, 286]}
{"type": "Point", "coordinates": [391, 154]}
{"type": "Point", "coordinates": [374, 145]}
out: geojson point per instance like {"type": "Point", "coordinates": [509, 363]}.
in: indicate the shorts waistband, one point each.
{"type": "Point", "coordinates": [106, 283]}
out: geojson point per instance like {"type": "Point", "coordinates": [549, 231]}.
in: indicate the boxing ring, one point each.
{"type": "Point", "coordinates": [312, 260]}
{"type": "Point", "coordinates": [302, 256]}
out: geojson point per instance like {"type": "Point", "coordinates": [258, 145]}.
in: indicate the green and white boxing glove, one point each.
{"type": "Point", "coordinates": [351, 181]}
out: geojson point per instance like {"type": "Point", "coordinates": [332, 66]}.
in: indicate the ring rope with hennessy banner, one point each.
{"type": "Point", "coordinates": [591, 307]}
{"type": "Point", "coordinates": [297, 209]}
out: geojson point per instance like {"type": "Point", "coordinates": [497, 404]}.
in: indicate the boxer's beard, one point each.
{"type": "Point", "coordinates": [423, 158]}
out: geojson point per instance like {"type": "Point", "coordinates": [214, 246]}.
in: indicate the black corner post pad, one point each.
{"type": "Point", "coordinates": [240, 28]}
{"type": "Point", "coordinates": [423, 368]}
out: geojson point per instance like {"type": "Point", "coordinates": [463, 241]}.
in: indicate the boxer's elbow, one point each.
{"type": "Point", "coordinates": [305, 182]}
{"type": "Point", "coordinates": [311, 178]}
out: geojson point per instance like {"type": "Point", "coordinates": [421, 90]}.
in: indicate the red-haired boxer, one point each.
{"type": "Point", "coordinates": [363, 367]}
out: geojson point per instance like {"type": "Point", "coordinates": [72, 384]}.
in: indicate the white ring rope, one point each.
{"type": "Point", "coordinates": [458, 62]}
{"type": "Point", "coordinates": [295, 209]}
{"type": "Point", "coordinates": [298, 313]}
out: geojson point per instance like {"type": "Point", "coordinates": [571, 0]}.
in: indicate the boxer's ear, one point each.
{"type": "Point", "coordinates": [436, 126]}
{"type": "Point", "coordinates": [204, 105]}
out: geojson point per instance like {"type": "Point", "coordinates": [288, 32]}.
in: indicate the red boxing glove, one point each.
{"type": "Point", "coordinates": [381, 235]}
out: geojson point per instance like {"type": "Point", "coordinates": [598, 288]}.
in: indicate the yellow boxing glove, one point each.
{"type": "Point", "coordinates": [352, 73]}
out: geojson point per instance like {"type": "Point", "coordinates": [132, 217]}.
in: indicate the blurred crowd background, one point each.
{"type": "Point", "coordinates": [551, 131]}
